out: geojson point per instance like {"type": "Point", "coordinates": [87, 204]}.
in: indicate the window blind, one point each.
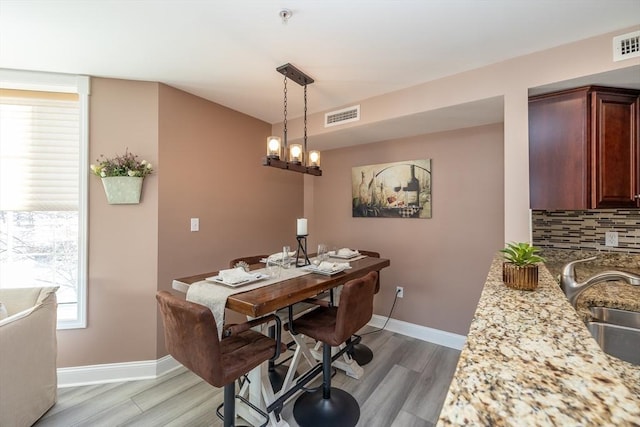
{"type": "Point", "coordinates": [39, 151]}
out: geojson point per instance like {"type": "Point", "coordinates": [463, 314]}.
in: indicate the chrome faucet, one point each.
{"type": "Point", "coordinates": [572, 289]}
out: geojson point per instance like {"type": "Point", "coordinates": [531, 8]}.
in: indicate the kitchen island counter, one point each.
{"type": "Point", "coordinates": [529, 360]}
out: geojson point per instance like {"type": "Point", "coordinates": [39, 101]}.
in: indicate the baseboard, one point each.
{"type": "Point", "coordinates": [115, 372]}
{"type": "Point", "coordinates": [423, 333]}
{"type": "Point", "coordinates": [149, 369]}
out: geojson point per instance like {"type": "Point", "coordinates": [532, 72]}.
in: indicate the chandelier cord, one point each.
{"type": "Point", "coordinates": [305, 118]}
{"type": "Point", "coordinates": [285, 112]}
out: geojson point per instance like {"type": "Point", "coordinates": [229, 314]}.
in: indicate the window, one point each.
{"type": "Point", "coordinates": [43, 187]}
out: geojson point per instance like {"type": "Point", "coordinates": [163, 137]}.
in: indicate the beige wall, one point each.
{"type": "Point", "coordinates": [205, 156]}
{"type": "Point", "coordinates": [211, 169]}
{"type": "Point", "coordinates": [444, 283]}
{"type": "Point", "coordinates": [207, 162]}
{"type": "Point", "coordinates": [442, 262]}
{"type": "Point", "coordinates": [123, 239]}
{"type": "Point", "coordinates": [510, 80]}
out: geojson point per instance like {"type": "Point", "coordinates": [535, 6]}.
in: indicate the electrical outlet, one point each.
{"type": "Point", "coordinates": [611, 238]}
{"type": "Point", "coordinates": [195, 224]}
{"type": "Point", "coordinates": [400, 291]}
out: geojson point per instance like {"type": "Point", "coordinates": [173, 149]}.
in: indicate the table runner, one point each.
{"type": "Point", "coordinates": [214, 295]}
{"type": "Point", "coordinates": [337, 259]}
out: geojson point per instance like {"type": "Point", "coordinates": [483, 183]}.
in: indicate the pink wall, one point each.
{"type": "Point", "coordinates": [509, 79]}
{"type": "Point", "coordinates": [442, 262]}
{"type": "Point", "coordinates": [123, 239]}
{"type": "Point", "coordinates": [205, 156]}
{"type": "Point", "coordinates": [207, 160]}
{"type": "Point", "coordinates": [211, 169]}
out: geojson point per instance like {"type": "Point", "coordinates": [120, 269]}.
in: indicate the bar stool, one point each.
{"type": "Point", "coordinates": [330, 406]}
{"type": "Point", "coordinates": [360, 352]}
{"type": "Point", "coordinates": [191, 337]}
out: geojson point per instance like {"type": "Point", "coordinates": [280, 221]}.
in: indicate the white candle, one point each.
{"type": "Point", "coordinates": [302, 226]}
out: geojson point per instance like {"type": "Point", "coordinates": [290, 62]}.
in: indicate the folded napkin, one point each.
{"type": "Point", "coordinates": [332, 266]}
{"type": "Point", "coordinates": [278, 256]}
{"type": "Point", "coordinates": [235, 275]}
{"type": "Point", "coordinates": [344, 252]}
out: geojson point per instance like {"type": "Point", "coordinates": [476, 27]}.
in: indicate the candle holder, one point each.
{"type": "Point", "coordinates": [302, 247]}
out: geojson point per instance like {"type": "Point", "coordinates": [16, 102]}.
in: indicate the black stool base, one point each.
{"type": "Point", "coordinates": [312, 410]}
{"type": "Point", "coordinates": [361, 354]}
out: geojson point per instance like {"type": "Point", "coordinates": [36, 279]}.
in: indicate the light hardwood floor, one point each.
{"type": "Point", "coordinates": [404, 385]}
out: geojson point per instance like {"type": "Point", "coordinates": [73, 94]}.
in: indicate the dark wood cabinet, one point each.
{"type": "Point", "coordinates": [584, 149]}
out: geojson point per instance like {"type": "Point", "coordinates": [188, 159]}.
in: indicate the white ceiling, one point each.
{"type": "Point", "coordinates": [227, 50]}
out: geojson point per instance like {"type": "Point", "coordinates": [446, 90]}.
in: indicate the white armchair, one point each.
{"type": "Point", "coordinates": [28, 349]}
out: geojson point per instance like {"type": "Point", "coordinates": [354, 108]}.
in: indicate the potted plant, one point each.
{"type": "Point", "coordinates": [520, 270]}
{"type": "Point", "coordinates": [122, 177]}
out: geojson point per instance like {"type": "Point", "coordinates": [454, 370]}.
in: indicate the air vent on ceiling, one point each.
{"type": "Point", "coordinates": [346, 115]}
{"type": "Point", "coordinates": [626, 46]}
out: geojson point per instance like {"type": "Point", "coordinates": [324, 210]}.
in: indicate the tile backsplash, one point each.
{"type": "Point", "coordinates": [585, 230]}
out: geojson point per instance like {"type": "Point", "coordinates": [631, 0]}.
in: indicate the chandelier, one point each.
{"type": "Point", "coordinates": [293, 157]}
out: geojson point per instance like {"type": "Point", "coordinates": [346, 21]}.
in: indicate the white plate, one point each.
{"type": "Point", "coordinates": [257, 277]}
{"type": "Point", "coordinates": [315, 269]}
{"type": "Point", "coordinates": [336, 255]}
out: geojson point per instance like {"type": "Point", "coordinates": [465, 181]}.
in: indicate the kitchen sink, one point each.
{"type": "Point", "coordinates": [622, 342]}
{"type": "Point", "coordinates": [617, 317]}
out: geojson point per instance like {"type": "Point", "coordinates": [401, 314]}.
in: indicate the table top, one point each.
{"type": "Point", "coordinates": [267, 299]}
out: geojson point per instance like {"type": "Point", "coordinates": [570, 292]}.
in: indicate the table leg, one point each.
{"type": "Point", "coordinates": [258, 391]}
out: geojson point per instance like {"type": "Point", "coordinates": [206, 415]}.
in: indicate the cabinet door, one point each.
{"type": "Point", "coordinates": [559, 151]}
{"type": "Point", "coordinates": [616, 159]}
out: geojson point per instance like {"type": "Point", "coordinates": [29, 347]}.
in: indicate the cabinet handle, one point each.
{"type": "Point", "coordinates": [637, 196]}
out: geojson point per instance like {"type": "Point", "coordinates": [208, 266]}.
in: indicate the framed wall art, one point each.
{"type": "Point", "coordinates": [392, 190]}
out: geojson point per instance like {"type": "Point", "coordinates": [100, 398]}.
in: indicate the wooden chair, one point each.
{"type": "Point", "coordinates": [191, 337]}
{"type": "Point", "coordinates": [333, 326]}
{"type": "Point", "coordinates": [251, 260]}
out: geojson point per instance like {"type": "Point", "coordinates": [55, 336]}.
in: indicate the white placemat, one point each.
{"type": "Point", "coordinates": [215, 296]}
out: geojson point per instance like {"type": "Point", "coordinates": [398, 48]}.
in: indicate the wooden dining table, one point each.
{"type": "Point", "coordinates": [268, 299]}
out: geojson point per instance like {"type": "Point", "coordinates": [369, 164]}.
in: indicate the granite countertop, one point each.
{"type": "Point", "coordinates": [529, 360]}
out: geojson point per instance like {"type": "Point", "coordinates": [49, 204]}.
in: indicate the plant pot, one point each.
{"type": "Point", "coordinates": [523, 278]}
{"type": "Point", "coordinates": [122, 190]}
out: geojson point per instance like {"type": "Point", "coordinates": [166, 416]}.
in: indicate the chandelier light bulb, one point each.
{"type": "Point", "coordinates": [295, 153]}
{"type": "Point", "coordinates": [314, 159]}
{"type": "Point", "coordinates": [273, 146]}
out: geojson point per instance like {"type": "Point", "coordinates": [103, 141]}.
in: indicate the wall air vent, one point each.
{"type": "Point", "coordinates": [626, 46]}
{"type": "Point", "coordinates": [338, 117]}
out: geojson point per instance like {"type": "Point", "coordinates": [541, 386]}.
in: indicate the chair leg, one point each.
{"type": "Point", "coordinates": [326, 406]}
{"type": "Point", "coordinates": [228, 407]}
{"type": "Point", "coordinates": [229, 404]}
{"type": "Point", "coordinates": [326, 371]}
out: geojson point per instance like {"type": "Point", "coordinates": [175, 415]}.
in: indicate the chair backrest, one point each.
{"type": "Point", "coordinates": [254, 259]}
{"type": "Point", "coordinates": [191, 336]}
{"type": "Point", "coordinates": [356, 306]}
{"type": "Point", "coordinates": [372, 254]}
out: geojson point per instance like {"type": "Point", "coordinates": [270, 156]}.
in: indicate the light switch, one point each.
{"type": "Point", "coordinates": [195, 224]}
